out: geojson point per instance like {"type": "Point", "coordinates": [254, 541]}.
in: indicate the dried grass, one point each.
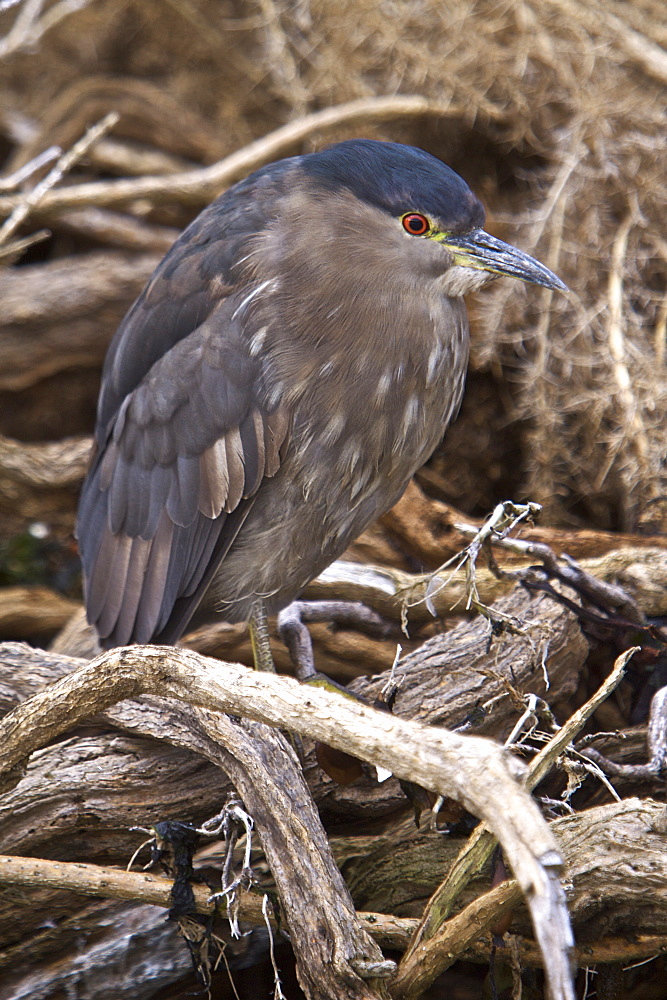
{"type": "Point", "coordinates": [558, 121]}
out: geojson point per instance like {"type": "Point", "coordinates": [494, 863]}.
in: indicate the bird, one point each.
{"type": "Point", "coordinates": [294, 359]}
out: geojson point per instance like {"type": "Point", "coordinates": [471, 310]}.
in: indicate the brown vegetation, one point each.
{"type": "Point", "coordinates": [554, 112]}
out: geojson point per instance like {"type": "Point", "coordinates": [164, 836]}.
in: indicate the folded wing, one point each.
{"type": "Point", "coordinates": [175, 473]}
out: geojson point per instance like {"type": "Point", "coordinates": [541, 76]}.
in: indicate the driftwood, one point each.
{"type": "Point", "coordinates": [372, 736]}
{"type": "Point", "coordinates": [347, 652]}
{"type": "Point", "coordinates": [599, 893]}
{"type": "Point", "coordinates": [445, 681]}
{"type": "Point", "coordinates": [33, 611]}
{"type": "Point", "coordinates": [446, 678]}
{"type": "Point", "coordinates": [431, 531]}
{"type": "Point", "coordinates": [366, 865]}
{"type": "Point", "coordinates": [81, 795]}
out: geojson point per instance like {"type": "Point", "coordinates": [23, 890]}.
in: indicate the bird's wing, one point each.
{"type": "Point", "coordinates": [184, 439]}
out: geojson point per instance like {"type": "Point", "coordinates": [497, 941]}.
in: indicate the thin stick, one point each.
{"type": "Point", "coordinates": [439, 952]}
{"type": "Point", "coordinates": [26, 203]}
{"type": "Point", "coordinates": [11, 181]}
{"type": "Point", "coordinates": [541, 765]}
{"type": "Point", "coordinates": [200, 186]}
{"type": "Point", "coordinates": [387, 930]}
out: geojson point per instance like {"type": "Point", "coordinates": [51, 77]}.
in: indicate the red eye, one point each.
{"type": "Point", "coordinates": [416, 224]}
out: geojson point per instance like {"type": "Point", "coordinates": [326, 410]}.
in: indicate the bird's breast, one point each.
{"type": "Point", "coordinates": [373, 416]}
{"type": "Point", "coordinates": [366, 412]}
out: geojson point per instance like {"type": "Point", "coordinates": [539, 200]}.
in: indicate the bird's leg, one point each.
{"type": "Point", "coordinates": [258, 626]}
{"type": "Point", "coordinates": [295, 635]}
{"type": "Point", "coordinates": [342, 767]}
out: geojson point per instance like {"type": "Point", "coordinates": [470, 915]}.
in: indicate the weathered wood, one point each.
{"type": "Point", "coordinates": [465, 668]}
{"type": "Point", "coordinates": [416, 752]}
{"type": "Point", "coordinates": [616, 859]}
{"type": "Point", "coordinates": [316, 905]}
{"type": "Point", "coordinates": [34, 611]}
{"type": "Point", "coordinates": [80, 797]}
{"type": "Point", "coordinates": [100, 950]}
{"type": "Point", "coordinates": [445, 681]}
{"type": "Point", "coordinates": [450, 764]}
{"type": "Point", "coordinates": [40, 482]}
{"type": "Point", "coordinates": [615, 855]}
{"type": "Point", "coordinates": [430, 951]}
{"type": "Point", "coordinates": [335, 955]}
{"type": "Point", "coordinates": [519, 664]}
{"type": "Point", "coordinates": [641, 572]}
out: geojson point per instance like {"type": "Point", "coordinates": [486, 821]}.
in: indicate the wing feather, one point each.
{"type": "Point", "coordinates": [118, 495]}
{"type": "Point", "coordinates": [252, 448]}
{"type": "Point", "coordinates": [152, 596]}
{"type": "Point", "coordinates": [214, 479]}
{"type": "Point", "coordinates": [185, 432]}
{"type": "Point", "coordinates": [113, 554]}
{"type": "Point", "coordinates": [110, 603]}
{"type": "Point", "coordinates": [234, 453]}
{"type": "Point", "coordinates": [126, 623]}
{"type": "Point", "coordinates": [177, 468]}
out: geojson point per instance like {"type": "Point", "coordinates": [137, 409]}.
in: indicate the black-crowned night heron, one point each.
{"type": "Point", "coordinates": [294, 359]}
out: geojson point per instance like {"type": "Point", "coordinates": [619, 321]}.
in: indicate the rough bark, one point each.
{"type": "Point", "coordinates": [56, 809]}
{"type": "Point", "coordinates": [347, 653]}
{"type": "Point", "coordinates": [452, 765]}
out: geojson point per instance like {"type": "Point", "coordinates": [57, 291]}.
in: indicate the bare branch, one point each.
{"type": "Point", "coordinates": [26, 204]}
{"type": "Point", "coordinates": [31, 25]}
{"type": "Point", "coordinates": [472, 770]}
{"type": "Point", "coordinates": [200, 186]}
{"type": "Point", "coordinates": [431, 947]}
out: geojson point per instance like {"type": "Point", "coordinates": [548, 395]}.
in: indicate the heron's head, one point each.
{"type": "Point", "coordinates": [416, 211]}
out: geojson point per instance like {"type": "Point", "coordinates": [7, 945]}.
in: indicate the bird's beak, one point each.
{"type": "Point", "coordinates": [481, 250]}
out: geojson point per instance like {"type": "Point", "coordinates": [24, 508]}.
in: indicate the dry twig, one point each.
{"type": "Point", "coordinates": [431, 949]}
{"type": "Point", "coordinates": [25, 204]}
{"type": "Point", "coordinates": [200, 186]}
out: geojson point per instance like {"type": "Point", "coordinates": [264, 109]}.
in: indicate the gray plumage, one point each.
{"type": "Point", "coordinates": [295, 358]}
